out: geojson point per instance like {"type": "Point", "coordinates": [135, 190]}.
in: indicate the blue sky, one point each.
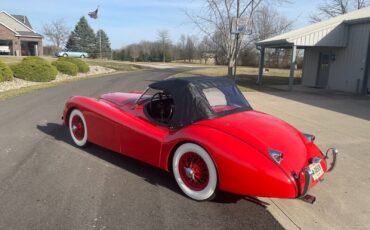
{"type": "Point", "coordinates": [129, 21]}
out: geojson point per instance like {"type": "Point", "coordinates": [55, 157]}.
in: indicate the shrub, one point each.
{"type": "Point", "coordinates": [35, 69]}
{"type": "Point", "coordinates": [66, 67]}
{"type": "Point", "coordinates": [82, 66]}
{"type": "Point", "coordinates": [6, 74]}
{"type": "Point", "coordinates": [34, 59]}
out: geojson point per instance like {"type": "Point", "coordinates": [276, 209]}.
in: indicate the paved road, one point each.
{"type": "Point", "coordinates": [48, 183]}
{"type": "Point", "coordinates": [338, 120]}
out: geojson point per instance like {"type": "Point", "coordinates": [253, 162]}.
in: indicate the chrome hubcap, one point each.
{"type": "Point", "coordinates": [74, 128]}
{"type": "Point", "coordinates": [189, 173]}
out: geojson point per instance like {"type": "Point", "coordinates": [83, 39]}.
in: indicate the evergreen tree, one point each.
{"type": "Point", "coordinates": [82, 38]}
{"type": "Point", "coordinates": [105, 44]}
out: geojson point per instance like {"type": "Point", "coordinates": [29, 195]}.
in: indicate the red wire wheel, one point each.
{"type": "Point", "coordinates": [195, 172]}
{"type": "Point", "coordinates": [78, 128]}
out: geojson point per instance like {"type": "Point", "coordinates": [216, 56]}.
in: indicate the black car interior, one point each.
{"type": "Point", "coordinates": [160, 108]}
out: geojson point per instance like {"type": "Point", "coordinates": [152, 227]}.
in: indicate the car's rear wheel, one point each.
{"type": "Point", "coordinates": [65, 55]}
{"type": "Point", "coordinates": [78, 128]}
{"type": "Point", "coordinates": [195, 172]}
{"type": "Point", "coordinates": [82, 56]}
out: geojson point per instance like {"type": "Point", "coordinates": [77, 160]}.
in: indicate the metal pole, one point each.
{"type": "Point", "coordinates": [236, 55]}
{"type": "Point", "coordinates": [261, 65]}
{"type": "Point", "coordinates": [292, 67]}
{"type": "Point", "coordinates": [100, 44]}
{"type": "Point", "coordinates": [237, 37]}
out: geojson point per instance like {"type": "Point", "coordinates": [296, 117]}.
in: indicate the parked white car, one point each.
{"type": "Point", "coordinates": [75, 54]}
{"type": "Point", "coordinates": [4, 50]}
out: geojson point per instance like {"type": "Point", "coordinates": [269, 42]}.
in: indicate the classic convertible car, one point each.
{"type": "Point", "coordinates": [204, 131]}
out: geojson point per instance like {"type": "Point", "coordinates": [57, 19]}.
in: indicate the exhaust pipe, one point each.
{"type": "Point", "coordinates": [309, 199]}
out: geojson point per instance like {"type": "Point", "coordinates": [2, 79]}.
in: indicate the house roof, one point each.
{"type": "Point", "coordinates": [328, 33]}
{"type": "Point", "coordinates": [28, 34]}
{"type": "Point", "coordinates": [19, 24]}
{"type": "Point", "coordinates": [23, 19]}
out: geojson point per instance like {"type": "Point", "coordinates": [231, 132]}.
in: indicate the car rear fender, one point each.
{"type": "Point", "coordinates": [241, 168]}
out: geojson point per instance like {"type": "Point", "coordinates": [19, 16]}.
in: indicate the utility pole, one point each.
{"type": "Point", "coordinates": [164, 51]}
{"type": "Point", "coordinates": [237, 36]}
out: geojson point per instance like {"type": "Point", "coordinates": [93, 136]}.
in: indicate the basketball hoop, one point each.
{"type": "Point", "coordinates": [240, 25]}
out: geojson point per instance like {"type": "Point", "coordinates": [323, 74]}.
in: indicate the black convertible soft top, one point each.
{"type": "Point", "coordinates": [191, 103]}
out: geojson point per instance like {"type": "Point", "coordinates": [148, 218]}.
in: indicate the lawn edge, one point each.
{"type": "Point", "coordinates": [28, 89]}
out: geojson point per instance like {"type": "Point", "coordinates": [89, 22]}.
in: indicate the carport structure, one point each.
{"type": "Point", "coordinates": [336, 52]}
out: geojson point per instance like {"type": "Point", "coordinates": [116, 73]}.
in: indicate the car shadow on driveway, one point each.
{"type": "Point", "coordinates": [150, 173]}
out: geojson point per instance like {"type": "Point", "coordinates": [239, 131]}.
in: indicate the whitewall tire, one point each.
{"type": "Point", "coordinates": [195, 172]}
{"type": "Point", "coordinates": [78, 128]}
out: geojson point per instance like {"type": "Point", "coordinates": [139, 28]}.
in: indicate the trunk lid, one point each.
{"type": "Point", "coordinates": [263, 131]}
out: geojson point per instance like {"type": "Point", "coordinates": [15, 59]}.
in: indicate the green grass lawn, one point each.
{"type": "Point", "coordinates": [247, 76]}
{"type": "Point", "coordinates": [14, 59]}
{"type": "Point", "coordinates": [116, 65]}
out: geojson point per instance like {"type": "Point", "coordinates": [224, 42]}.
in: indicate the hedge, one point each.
{"type": "Point", "coordinates": [81, 65]}
{"type": "Point", "coordinates": [6, 74]}
{"type": "Point", "coordinates": [34, 69]}
{"type": "Point", "coordinates": [66, 67]}
{"type": "Point", "coordinates": [34, 59]}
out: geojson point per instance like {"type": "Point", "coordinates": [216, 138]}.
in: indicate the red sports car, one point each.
{"type": "Point", "coordinates": [204, 131]}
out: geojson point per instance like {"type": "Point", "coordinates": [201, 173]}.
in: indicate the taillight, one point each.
{"type": "Point", "coordinates": [309, 137]}
{"type": "Point", "coordinates": [276, 155]}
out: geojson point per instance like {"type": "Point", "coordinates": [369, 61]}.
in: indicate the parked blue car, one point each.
{"type": "Point", "coordinates": [74, 54]}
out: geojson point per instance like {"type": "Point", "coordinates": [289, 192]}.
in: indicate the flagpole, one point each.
{"type": "Point", "coordinates": [94, 15]}
{"type": "Point", "coordinates": [101, 57]}
{"type": "Point", "coordinates": [100, 44]}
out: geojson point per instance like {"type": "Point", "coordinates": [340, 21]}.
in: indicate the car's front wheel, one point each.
{"type": "Point", "coordinates": [65, 55]}
{"type": "Point", "coordinates": [195, 172]}
{"type": "Point", "coordinates": [78, 128]}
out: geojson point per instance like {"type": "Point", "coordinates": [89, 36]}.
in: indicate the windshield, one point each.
{"type": "Point", "coordinates": [148, 93]}
{"type": "Point", "coordinates": [225, 98]}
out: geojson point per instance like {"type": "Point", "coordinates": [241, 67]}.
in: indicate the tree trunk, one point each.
{"type": "Point", "coordinates": [230, 69]}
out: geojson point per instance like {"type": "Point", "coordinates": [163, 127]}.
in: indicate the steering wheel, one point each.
{"type": "Point", "coordinates": [159, 99]}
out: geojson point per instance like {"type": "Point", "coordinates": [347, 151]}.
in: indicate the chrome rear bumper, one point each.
{"type": "Point", "coordinates": [307, 181]}
{"type": "Point", "coordinates": [331, 159]}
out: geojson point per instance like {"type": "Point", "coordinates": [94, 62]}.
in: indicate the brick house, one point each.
{"type": "Point", "coordinates": [17, 33]}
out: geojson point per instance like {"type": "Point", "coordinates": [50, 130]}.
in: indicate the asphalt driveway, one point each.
{"type": "Point", "coordinates": [339, 120]}
{"type": "Point", "coordinates": [48, 183]}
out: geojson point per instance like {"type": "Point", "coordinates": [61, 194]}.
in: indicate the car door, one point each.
{"type": "Point", "coordinates": [74, 54]}
{"type": "Point", "coordinates": [142, 139]}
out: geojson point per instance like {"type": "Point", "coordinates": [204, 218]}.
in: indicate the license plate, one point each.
{"type": "Point", "coordinates": [317, 170]}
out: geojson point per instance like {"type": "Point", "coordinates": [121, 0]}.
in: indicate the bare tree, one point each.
{"type": "Point", "coordinates": [164, 39]}
{"type": "Point", "coordinates": [205, 49]}
{"type": "Point", "coordinates": [134, 51]}
{"type": "Point", "coordinates": [190, 49]}
{"type": "Point", "coordinates": [216, 17]}
{"type": "Point", "coordinates": [332, 8]}
{"type": "Point", "coordinates": [268, 23]}
{"type": "Point", "coordinates": [57, 33]}
{"type": "Point", "coordinates": [359, 4]}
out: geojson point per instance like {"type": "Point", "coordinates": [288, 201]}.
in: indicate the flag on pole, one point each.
{"type": "Point", "coordinates": [94, 14]}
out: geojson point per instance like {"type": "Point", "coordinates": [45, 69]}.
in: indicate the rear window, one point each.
{"type": "Point", "coordinates": [225, 98]}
